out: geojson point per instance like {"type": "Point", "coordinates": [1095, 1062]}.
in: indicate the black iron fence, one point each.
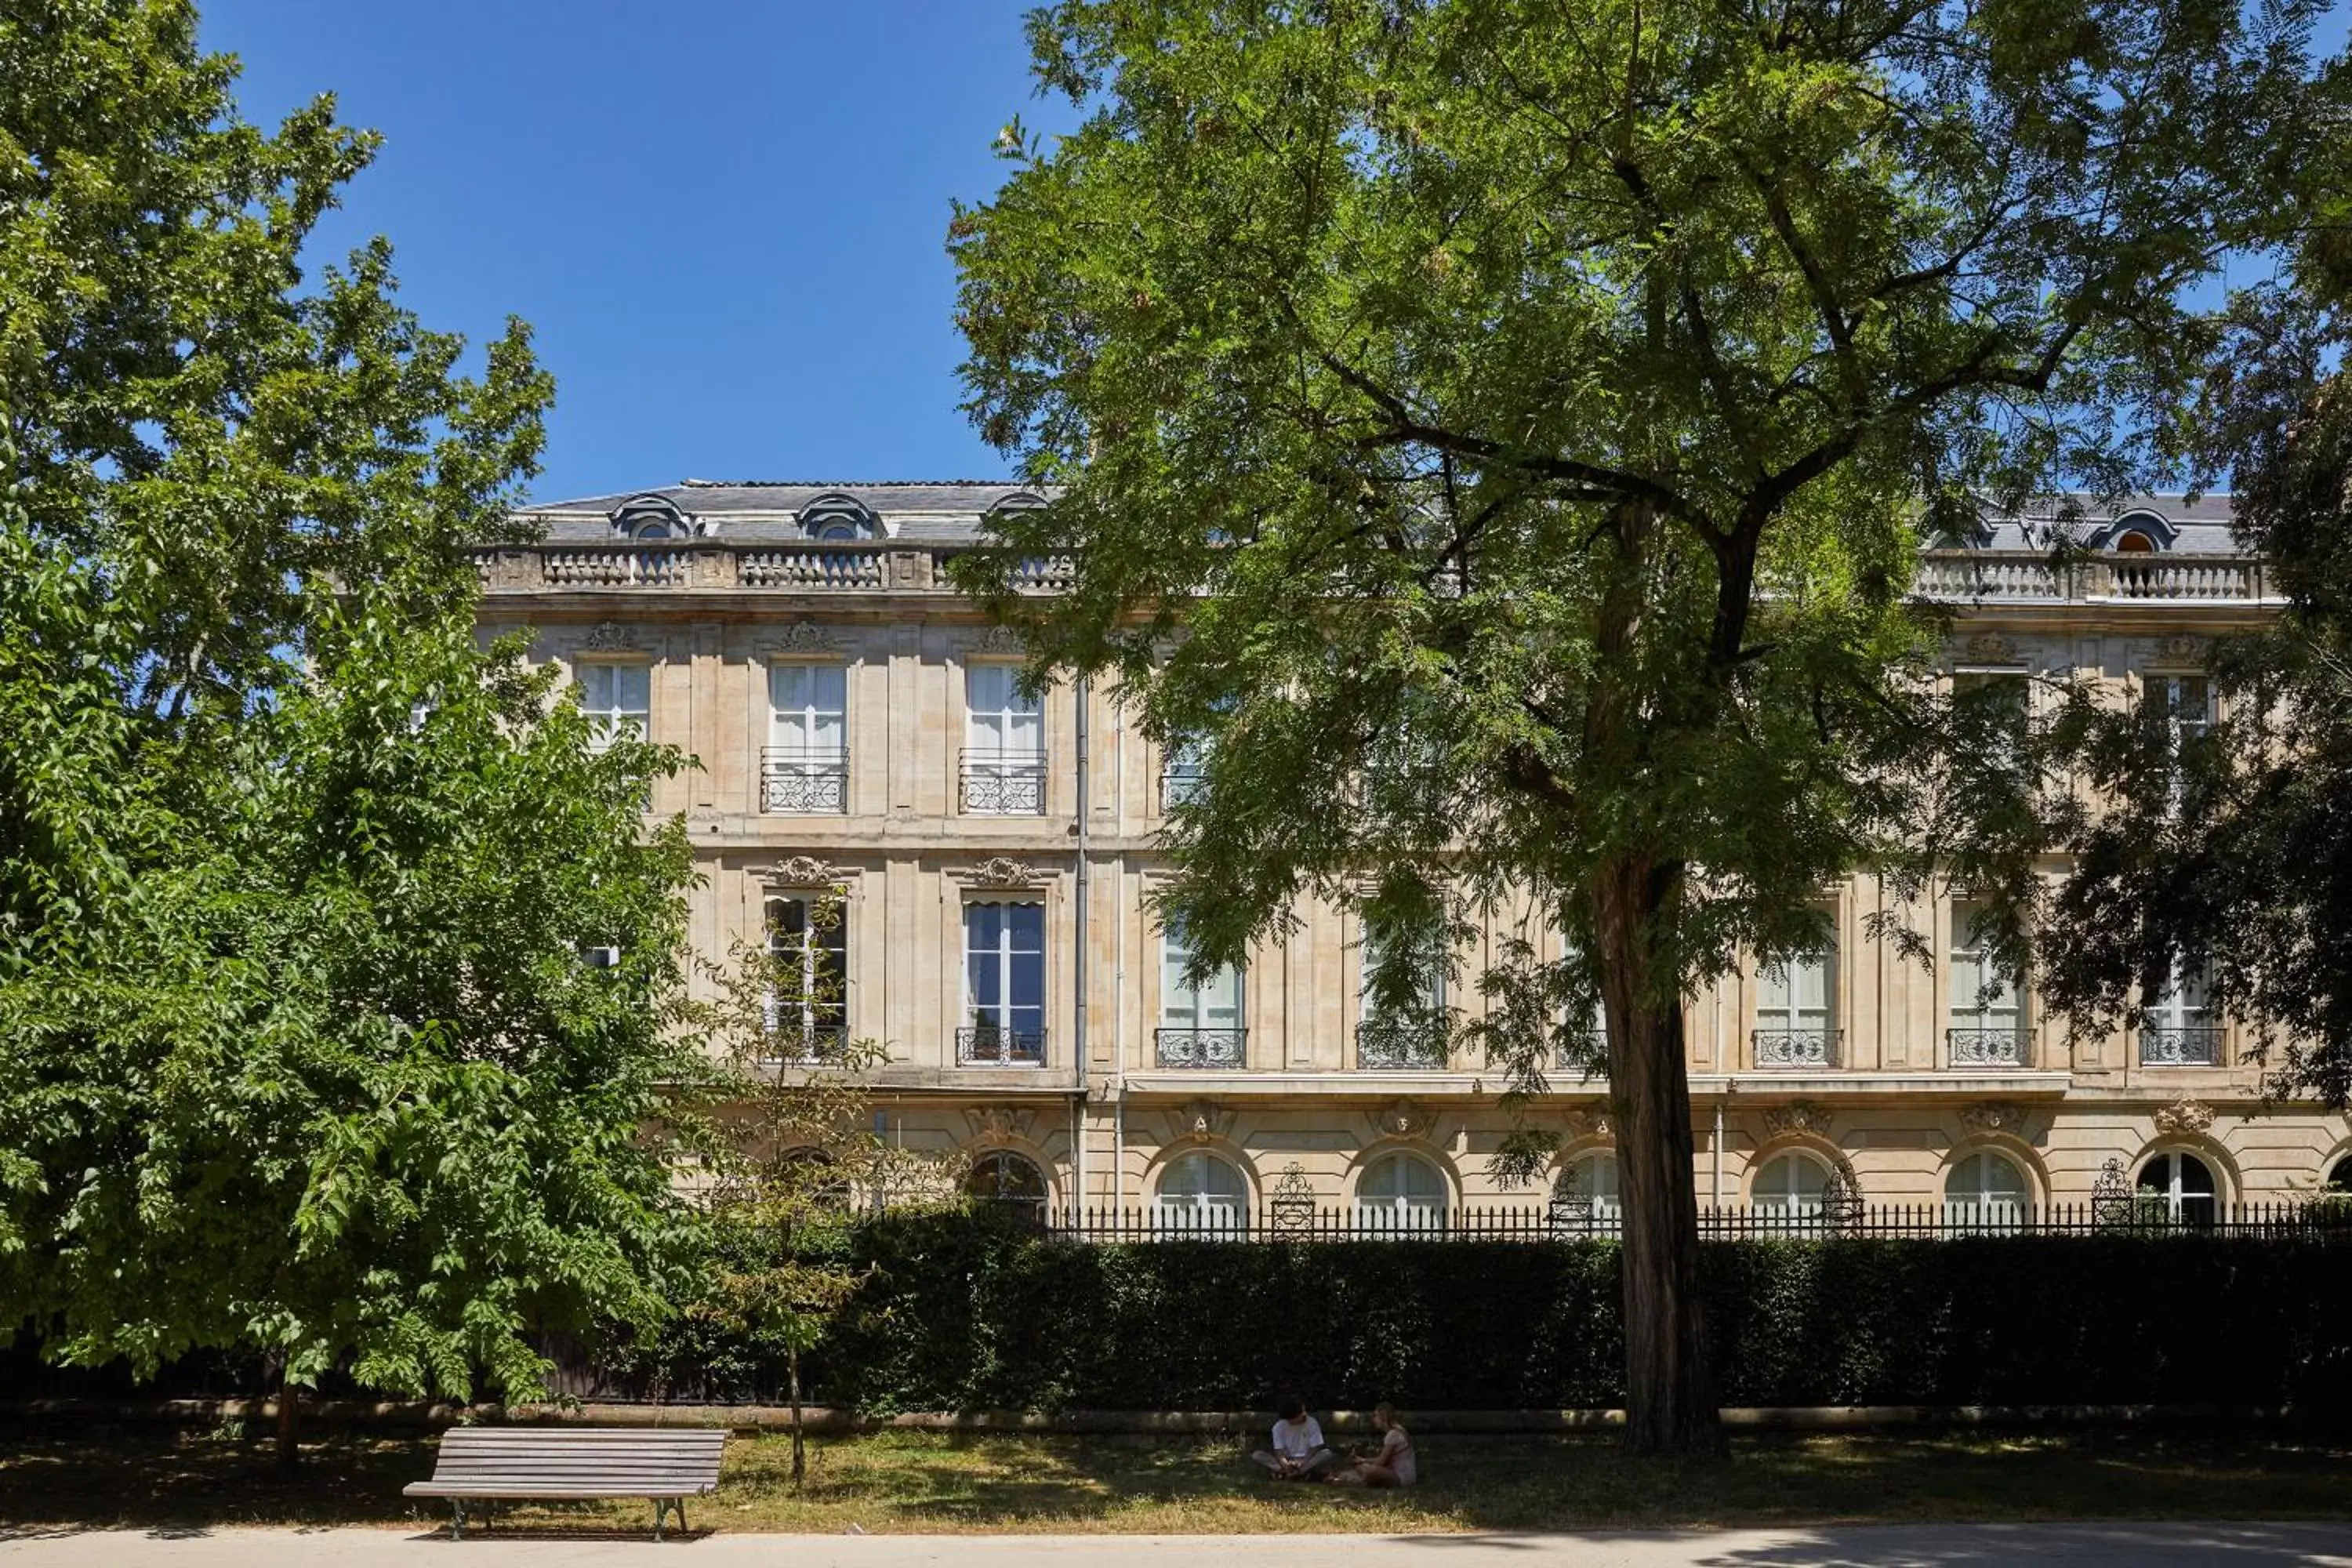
{"type": "Point", "coordinates": [1570, 1220]}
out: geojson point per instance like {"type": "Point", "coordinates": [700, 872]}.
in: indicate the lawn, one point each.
{"type": "Point", "coordinates": [920, 1481]}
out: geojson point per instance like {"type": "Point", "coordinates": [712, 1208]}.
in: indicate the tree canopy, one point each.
{"type": "Point", "coordinates": [304, 1046]}
{"type": "Point", "coordinates": [1499, 435]}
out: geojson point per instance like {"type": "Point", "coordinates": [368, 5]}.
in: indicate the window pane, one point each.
{"type": "Point", "coordinates": [633, 686]}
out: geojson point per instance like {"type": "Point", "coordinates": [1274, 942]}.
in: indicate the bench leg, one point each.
{"type": "Point", "coordinates": [661, 1511]}
{"type": "Point", "coordinates": [457, 1518]}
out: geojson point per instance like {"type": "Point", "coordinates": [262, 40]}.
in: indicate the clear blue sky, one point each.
{"type": "Point", "coordinates": [725, 220]}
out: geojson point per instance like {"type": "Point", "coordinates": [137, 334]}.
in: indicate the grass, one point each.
{"type": "Point", "coordinates": [905, 1482]}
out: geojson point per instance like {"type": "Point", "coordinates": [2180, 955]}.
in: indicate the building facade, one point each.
{"type": "Point", "coordinates": [858, 728]}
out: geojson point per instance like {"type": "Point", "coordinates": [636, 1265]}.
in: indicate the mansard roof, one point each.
{"type": "Point", "coordinates": [952, 511]}
{"type": "Point", "coordinates": [943, 509]}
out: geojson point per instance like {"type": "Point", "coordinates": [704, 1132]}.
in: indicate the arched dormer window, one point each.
{"type": "Point", "coordinates": [652, 517]}
{"type": "Point", "coordinates": [838, 515]}
{"type": "Point", "coordinates": [2139, 533]}
{"type": "Point", "coordinates": [1016, 500]}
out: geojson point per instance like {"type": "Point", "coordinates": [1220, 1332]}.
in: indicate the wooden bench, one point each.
{"type": "Point", "coordinates": [665, 1465]}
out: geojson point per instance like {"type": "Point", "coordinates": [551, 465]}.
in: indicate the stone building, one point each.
{"type": "Point", "coordinates": [858, 727]}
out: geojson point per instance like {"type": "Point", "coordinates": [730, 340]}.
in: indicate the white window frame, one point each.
{"type": "Point", "coordinates": [1979, 1205]}
{"type": "Point", "coordinates": [2173, 1190]}
{"type": "Point", "coordinates": [1593, 1174]}
{"type": "Point", "coordinates": [802, 944]}
{"type": "Point", "coordinates": [1788, 1197]}
{"type": "Point", "coordinates": [610, 714]}
{"type": "Point", "coordinates": [1005, 956]}
{"type": "Point", "coordinates": [1970, 965]}
{"type": "Point", "coordinates": [989, 731]}
{"type": "Point", "coordinates": [1185, 1006]}
{"type": "Point", "coordinates": [1201, 1209]}
{"type": "Point", "coordinates": [1982, 677]}
{"type": "Point", "coordinates": [796, 727]}
{"type": "Point", "coordinates": [1401, 1210]}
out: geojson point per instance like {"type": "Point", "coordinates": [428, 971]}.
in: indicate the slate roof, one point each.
{"type": "Point", "coordinates": [943, 509]}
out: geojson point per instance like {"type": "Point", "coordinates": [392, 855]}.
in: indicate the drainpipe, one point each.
{"type": "Point", "coordinates": [1078, 973]}
{"type": "Point", "coordinates": [1715, 1146]}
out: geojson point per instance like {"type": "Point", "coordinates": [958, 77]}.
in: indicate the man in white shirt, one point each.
{"type": "Point", "coordinates": [1299, 1453]}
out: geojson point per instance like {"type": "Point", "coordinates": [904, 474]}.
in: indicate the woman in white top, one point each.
{"type": "Point", "coordinates": [1394, 1465]}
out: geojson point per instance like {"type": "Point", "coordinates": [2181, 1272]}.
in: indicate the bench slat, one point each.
{"type": "Point", "coordinates": [561, 1462]}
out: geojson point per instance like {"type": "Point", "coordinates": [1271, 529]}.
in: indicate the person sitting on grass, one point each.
{"type": "Point", "coordinates": [1299, 1453]}
{"type": "Point", "coordinates": [1390, 1465]}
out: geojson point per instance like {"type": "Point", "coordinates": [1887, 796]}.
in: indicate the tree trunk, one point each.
{"type": "Point", "coordinates": [1669, 1390]}
{"type": "Point", "coordinates": [289, 1407]}
{"type": "Point", "coordinates": [793, 1366]}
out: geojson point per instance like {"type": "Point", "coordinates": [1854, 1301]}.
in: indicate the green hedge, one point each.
{"type": "Point", "coordinates": [962, 1314]}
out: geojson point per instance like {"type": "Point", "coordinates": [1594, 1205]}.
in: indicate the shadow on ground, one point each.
{"type": "Point", "coordinates": [153, 1478]}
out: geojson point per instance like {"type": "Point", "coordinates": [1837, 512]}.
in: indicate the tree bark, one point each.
{"type": "Point", "coordinates": [289, 1407]}
{"type": "Point", "coordinates": [792, 1371]}
{"type": "Point", "coordinates": [1669, 1387]}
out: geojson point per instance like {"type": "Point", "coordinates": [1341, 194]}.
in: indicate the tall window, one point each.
{"type": "Point", "coordinates": [1402, 1192]}
{"type": "Point", "coordinates": [2187, 703]}
{"type": "Point", "coordinates": [2179, 1188]}
{"type": "Point", "coordinates": [805, 767]}
{"type": "Point", "coordinates": [2178, 1028]}
{"type": "Point", "coordinates": [1985, 1191]}
{"type": "Point", "coordinates": [1588, 1189]}
{"type": "Point", "coordinates": [1201, 1192]}
{"type": "Point", "coordinates": [1986, 1024]}
{"type": "Point", "coordinates": [617, 700]}
{"type": "Point", "coordinates": [1792, 1186]}
{"type": "Point", "coordinates": [1994, 705]}
{"type": "Point", "coordinates": [1008, 1181]}
{"type": "Point", "coordinates": [1180, 774]}
{"type": "Point", "coordinates": [1004, 984]}
{"type": "Point", "coordinates": [1390, 1035]}
{"type": "Point", "coordinates": [809, 938]}
{"type": "Point", "coordinates": [1793, 1025]}
{"type": "Point", "coordinates": [1004, 744]}
{"type": "Point", "coordinates": [1200, 1025]}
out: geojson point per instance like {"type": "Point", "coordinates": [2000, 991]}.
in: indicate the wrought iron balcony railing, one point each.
{"type": "Point", "coordinates": [1385, 1044]}
{"type": "Point", "coordinates": [2189, 1046]}
{"type": "Point", "coordinates": [1004, 783]}
{"type": "Point", "coordinates": [1796, 1047]}
{"type": "Point", "coordinates": [1176, 788]}
{"type": "Point", "coordinates": [797, 781]}
{"type": "Point", "coordinates": [1180, 1048]}
{"type": "Point", "coordinates": [1981, 1048]}
{"type": "Point", "coordinates": [987, 1045]}
{"type": "Point", "coordinates": [805, 1044]}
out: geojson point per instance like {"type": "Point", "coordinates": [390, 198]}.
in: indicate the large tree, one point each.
{"type": "Point", "coordinates": [1497, 432]}
{"type": "Point", "coordinates": [303, 1044]}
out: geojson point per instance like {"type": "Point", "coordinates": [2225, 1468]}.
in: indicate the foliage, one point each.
{"type": "Point", "coordinates": [1496, 435]}
{"type": "Point", "coordinates": [797, 1155]}
{"type": "Point", "coordinates": [2229, 852]}
{"type": "Point", "coordinates": [974, 1317]}
{"type": "Point", "coordinates": [301, 1047]}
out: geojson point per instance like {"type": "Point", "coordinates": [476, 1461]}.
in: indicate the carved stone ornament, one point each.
{"type": "Point", "coordinates": [1806, 1116]}
{"type": "Point", "coordinates": [1993, 1116]}
{"type": "Point", "coordinates": [1593, 1123]}
{"type": "Point", "coordinates": [807, 637]}
{"type": "Point", "coordinates": [2182, 650]}
{"type": "Point", "coordinates": [800, 871]}
{"type": "Point", "coordinates": [1001, 640]}
{"type": "Point", "coordinates": [1199, 1120]}
{"type": "Point", "coordinates": [999, 1124]}
{"type": "Point", "coordinates": [2184, 1118]}
{"type": "Point", "coordinates": [1002, 872]}
{"type": "Point", "coordinates": [1993, 648]}
{"type": "Point", "coordinates": [606, 636]}
{"type": "Point", "coordinates": [1400, 1119]}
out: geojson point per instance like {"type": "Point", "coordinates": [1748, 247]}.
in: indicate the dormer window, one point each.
{"type": "Point", "coordinates": [2139, 533]}
{"type": "Point", "coordinates": [838, 515]}
{"type": "Point", "coordinates": [649, 517]}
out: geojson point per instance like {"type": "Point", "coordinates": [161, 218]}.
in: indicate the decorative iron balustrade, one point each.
{"type": "Point", "coordinates": [797, 781]}
{"type": "Point", "coordinates": [1986, 1047]}
{"type": "Point", "coordinates": [1181, 1047]}
{"type": "Point", "coordinates": [805, 1044]}
{"type": "Point", "coordinates": [1796, 1047]}
{"type": "Point", "coordinates": [1176, 788]}
{"type": "Point", "coordinates": [1387, 1044]}
{"type": "Point", "coordinates": [2192, 1045]}
{"type": "Point", "coordinates": [986, 1045]}
{"type": "Point", "coordinates": [1003, 784]}
{"type": "Point", "coordinates": [1294, 1213]}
